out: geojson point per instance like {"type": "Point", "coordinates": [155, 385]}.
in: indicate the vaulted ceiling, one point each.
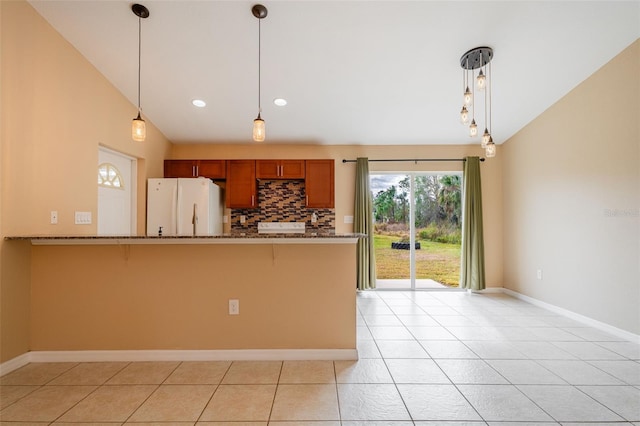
{"type": "Point", "coordinates": [353, 72]}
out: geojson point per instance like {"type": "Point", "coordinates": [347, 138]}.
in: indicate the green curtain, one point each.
{"type": "Point", "coordinates": [363, 224]}
{"type": "Point", "coordinates": [472, 259]}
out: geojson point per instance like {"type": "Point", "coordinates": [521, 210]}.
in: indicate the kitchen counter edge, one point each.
{"type": "Point", "coordinates": [59, 240]}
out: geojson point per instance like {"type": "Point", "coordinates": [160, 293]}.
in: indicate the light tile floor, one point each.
{"type": "Point", "coordinates": [426, 358]}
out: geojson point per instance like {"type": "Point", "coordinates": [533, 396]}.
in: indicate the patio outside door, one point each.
{"type": "Point", "coordinates": [417, 230]}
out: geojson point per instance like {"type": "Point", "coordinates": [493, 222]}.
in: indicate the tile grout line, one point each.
{"type": "Point", "coordinates": [87, 395]}
{"type": "Point", "coordinates": [335, 380]}
{"type": "Point", "coordinates": [275, 392]}
{"type": "Point", "coordinates": [150, 394]}
{"type": "Point", "coordinates": [217, 386]}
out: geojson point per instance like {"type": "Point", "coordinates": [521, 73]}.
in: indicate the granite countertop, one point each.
{"type": "Point", "coordinates": [235, 238]}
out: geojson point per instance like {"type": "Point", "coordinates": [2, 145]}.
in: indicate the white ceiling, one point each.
{"type": "Point", "coordinates": [353, 72]}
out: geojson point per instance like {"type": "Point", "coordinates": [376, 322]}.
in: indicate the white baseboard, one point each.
{"type": "Point", "coordinates": [179, 355]}
{"type": "Point", "coordinates": [14, 364]}
{"type": "Point", "coordinates": [196, 355]}
{"type": "Point", "coordinates": [626, 335]}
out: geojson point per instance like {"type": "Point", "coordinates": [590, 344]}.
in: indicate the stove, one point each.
{"type": "Point", "coordinates": [281, 227]}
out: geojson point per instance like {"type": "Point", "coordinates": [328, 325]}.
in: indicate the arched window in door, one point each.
{"type": "Point", "coordinates": [109, 176]}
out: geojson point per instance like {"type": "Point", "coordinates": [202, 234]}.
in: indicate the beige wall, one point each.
{"type": "Point", "coordinates": [176, 297]}
{"type": "Point", "coordinates": [56, 110]}
{"type": "Point", "coordinates": [345, 177]}
{"type": "Point", "coordinates": [571, 185]}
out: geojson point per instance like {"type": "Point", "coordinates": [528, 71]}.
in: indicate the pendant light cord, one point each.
{"type": "Point", "coordinates": [485, 99]}
{"type": "Point", "coordinates": [490, 83]}
{"type": "Point", "coordinates": [473, 96]}
{"type": "Point", "coordinates": [259, 65]}
{"type": "Point", "coordinates": [139, 55]}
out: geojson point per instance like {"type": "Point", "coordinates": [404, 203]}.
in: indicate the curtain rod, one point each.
{"type": "Point", "coordinates": [414, 160]}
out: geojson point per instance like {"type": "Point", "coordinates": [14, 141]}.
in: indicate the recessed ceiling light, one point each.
{"type": "Point", "coordinates": [199, 103]}
{"type": "Point", "coordinates": [280, 101]}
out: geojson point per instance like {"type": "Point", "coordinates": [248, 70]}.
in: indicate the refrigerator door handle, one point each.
{"type": "Point", "coordinates": [176, 211]}
{"type": "Point", "coordinates": [194, 220]}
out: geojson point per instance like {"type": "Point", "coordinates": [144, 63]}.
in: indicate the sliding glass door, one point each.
{"type": "Point", "coordinates": [417, 230]}
{"type": "Point", "coordinates": [391, 215]}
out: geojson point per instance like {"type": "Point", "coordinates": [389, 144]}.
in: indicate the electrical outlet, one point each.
{"type": "Point", "coordinates": [539, 274]}
{"type": "Point", "coordinates": [243, 219]}
{"type": "Point", "coordinates": [234, 307]}
{"type": "Point", "coordinates": [225, 219]}
{"type": "Point", "coordinates": [348, 219]}
{"type": "Point", "coordinates": [54, 217]}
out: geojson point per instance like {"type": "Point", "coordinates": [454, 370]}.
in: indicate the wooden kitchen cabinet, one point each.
{"type": "Point", "coordinates": [241, 188]}
{"type": "Point", "coordinates": [280, 169]}
{"type": "Point", "coordinates": [319, 184]}
{"type": "Point", "coordinates": [212, 169]}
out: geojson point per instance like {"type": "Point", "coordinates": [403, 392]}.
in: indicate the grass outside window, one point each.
{"type": "Point", "coordinates": [434, 260]}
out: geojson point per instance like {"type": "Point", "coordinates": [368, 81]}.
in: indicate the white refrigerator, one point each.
{"type": "Point", "coordinates": [184, 207]}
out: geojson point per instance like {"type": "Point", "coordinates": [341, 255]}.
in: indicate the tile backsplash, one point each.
{"type": "Point", "coordinates": [282, 201]}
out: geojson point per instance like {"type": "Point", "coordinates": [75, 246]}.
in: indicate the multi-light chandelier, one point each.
{"type": "Point", "coordinates": [478, 58]}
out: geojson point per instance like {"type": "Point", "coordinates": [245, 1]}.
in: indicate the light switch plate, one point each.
{"type": "Point", "coordinates": [83, 218]}
{"type": "Point", "coordinates": [348, 219]}
{"type": "Point", "coordinates": [54, 217]}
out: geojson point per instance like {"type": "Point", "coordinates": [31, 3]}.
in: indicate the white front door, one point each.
{"type": "Point", "coordinates": [116, 193]}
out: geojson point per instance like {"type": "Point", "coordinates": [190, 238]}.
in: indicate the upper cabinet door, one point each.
{"type": "Point", "coordinates": [241, 187]}
{"type": "Point", "coordinates": [212, 169]}
{"type": "Point", "coordinates": [280, 169]}
{"type": "Point", "coordinates": [180, 168]}
{"type": "Point", "coordinates": [268, 169]}
{"type": "Point", "coordinates": [292, 169]}
{"type": "Point", "coordinates": [319, 184]}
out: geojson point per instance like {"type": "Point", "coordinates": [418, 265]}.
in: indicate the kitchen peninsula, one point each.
{"type": "Point", "coordinates": [296, 296]}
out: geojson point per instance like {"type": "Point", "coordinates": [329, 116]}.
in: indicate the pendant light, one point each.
{"type": "Point", "coordinates": [468, 96]}
{"type": "Point", "coordinates": [464, 115]}
{"type": "Point", "coordinates": [473, 127]}
{"type": "Point", "coordinates": [138, 128]}
{"type": "Point", "coordinates": [260, 12]}
{"type": "Point", "coordinates": [486, 136]}
{"type": "Point", "coordinates": [490, 151]}
{"type": "Point", "coordinates": [481, 80]}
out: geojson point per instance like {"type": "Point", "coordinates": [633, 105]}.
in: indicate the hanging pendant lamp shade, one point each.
{"type": "Point", "coordinates": [259, 131]}
{"type": "Point", "coordinates": [481, 80]}
{"type": "Point", "coordinates": [485, 138]}
{"type": "Point", "coordinates": [464, 115]}
{"type": "Point", "coordinates": [491, 149]}
{"type": "Point", "coordinates": [138, 127]}
{"type": "Point", "coordinates": [468, 97]}
{"type": "Point", "coordinates": [473, 129]}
